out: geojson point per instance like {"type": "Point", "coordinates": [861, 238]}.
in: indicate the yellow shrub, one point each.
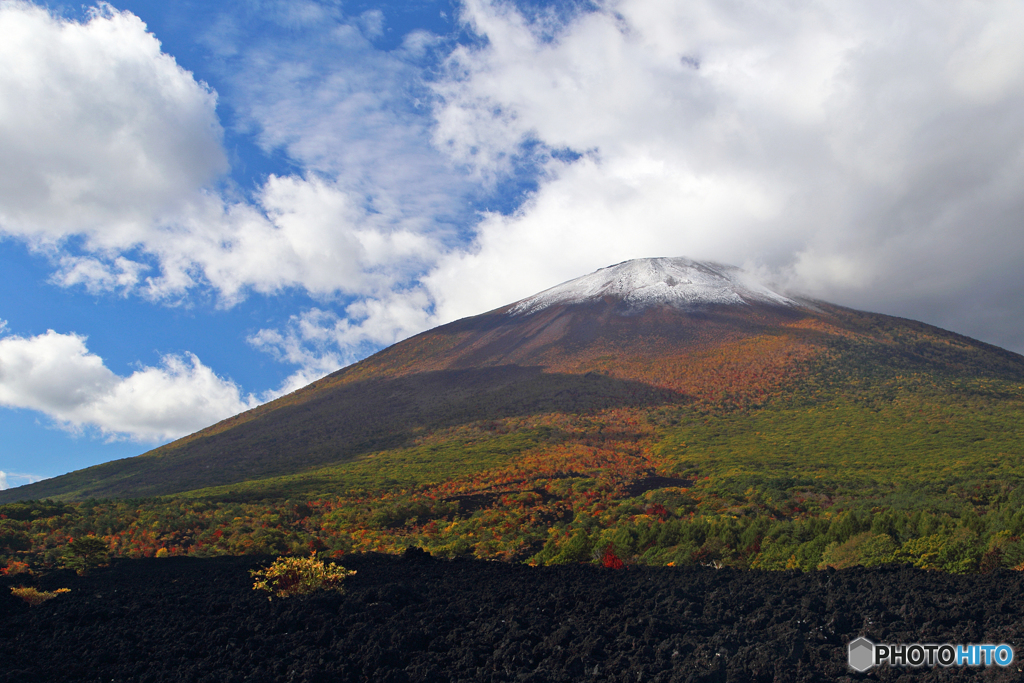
{"type": "Point", "coordinates": [289, 576]}
{"type": "Point", "coordinates": [36, 597]}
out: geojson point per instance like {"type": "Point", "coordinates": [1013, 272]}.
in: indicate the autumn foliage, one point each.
{"type": "Point", "coordinates": [610, 560]}
{"type": "Point", "coordinates": [34, 596]}
{"type": "Point", "coordinates": [289, 576]}
{"type": "Point", "coordinates": [818, 445]}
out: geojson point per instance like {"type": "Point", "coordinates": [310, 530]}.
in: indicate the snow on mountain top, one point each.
{"type": "Point", "coordinates": [646, 282]}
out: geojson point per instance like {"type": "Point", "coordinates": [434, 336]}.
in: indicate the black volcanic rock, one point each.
{"type": "Point", "coordinates": [414, 618]}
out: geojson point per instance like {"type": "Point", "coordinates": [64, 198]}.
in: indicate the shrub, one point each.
{"type": "Point", "coordinates": [576, 549]}
{"type": "Point", "coordinates": [36, 597]}
{"type": "Point", "coordinates": [924, 553]}
{"type": "Point", "coordinates": [14, 567]}
{"type": "Point", "coordinates": [865, 549]}
{"type": "Point", "coordinates": [610, 559]}
{"type": "Point", "coordinates": [289, 576]}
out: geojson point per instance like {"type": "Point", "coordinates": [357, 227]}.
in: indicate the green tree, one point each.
{"type": "Point", "coordinates": [85, 553]}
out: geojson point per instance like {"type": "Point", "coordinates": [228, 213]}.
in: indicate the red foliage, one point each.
{"type": "Point", "coordinates": [14, 567]}
{"type": "Point", "coordinates": [657, 509]}
{"type": "Point", "coordinates": [611, 560]}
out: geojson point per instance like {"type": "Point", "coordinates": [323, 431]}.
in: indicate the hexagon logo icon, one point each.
{"type": "Point", "coordinates": [862, 654]}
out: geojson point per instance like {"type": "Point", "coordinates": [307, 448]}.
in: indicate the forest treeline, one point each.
{"type": "Point", "coordinates": [979, 528]}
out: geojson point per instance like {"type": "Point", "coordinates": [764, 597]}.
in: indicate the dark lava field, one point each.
{"type": "Point", "coordinates": [415, 618]}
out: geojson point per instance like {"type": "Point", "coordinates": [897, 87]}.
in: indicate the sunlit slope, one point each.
{"type": "Point", "coordinates": [726, 391]}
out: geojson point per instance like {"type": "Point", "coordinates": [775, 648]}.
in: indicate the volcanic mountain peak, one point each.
{"type": "Point", "coordinates": [646, 282]}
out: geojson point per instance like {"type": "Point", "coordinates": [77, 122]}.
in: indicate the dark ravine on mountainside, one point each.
{"type": "Point", "coordinates": [643, 334]}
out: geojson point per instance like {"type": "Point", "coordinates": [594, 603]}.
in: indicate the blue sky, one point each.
{"type": "Point", "coordinates": [206, 205]}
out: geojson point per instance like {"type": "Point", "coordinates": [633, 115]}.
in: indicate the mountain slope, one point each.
{"type": "Point", "coordinates": [641, 343]}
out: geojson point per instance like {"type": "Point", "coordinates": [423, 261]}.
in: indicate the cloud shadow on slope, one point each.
{"type": "Point", "coordinates": [345, 422]}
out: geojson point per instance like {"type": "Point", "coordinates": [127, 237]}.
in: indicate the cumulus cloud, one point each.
{"type": "Point", "coordinates": [101, 134]}
{"type": "Point", "coordinates": [377, 203]}
{"type": "Point", "coordinates": [306, 233]}
{"type": "Point", "coordinates": [112, 162]}
{"type": "Point", "coordinates": [57, 375]}
{"type": "Point", "coordinates": [869, 153]}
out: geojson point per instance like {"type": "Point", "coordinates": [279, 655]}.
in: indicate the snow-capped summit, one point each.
{"type": "Point", "coordinates": [642, 283]}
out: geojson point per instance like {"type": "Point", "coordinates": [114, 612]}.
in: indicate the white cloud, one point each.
{"type": "Point", "coordinates": [110, 161]}
{"type": "Point", "coordinates": [871, 153]}
{"type": "Point", "coordinates": [12, 479]}
{"type": "Point", "coordinates": [304, 233]}
{"type": "Point", "coordinates": [339, 107]}
{"type": "Point", "coordinates": [57, 375]}
{"type": "Point", "coordinates": [319, 342]}
{"type": "Point", "coordinates": [358, 120]}
{"type": "Point", "coordinates": [97, 275]}
{"type": "Point", "coordinates": [592, 214]}
{"type": "Point", "coordinates": [101, 134]}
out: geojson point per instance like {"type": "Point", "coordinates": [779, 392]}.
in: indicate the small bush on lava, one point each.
{"type": "Point", "coordinates": [289, 576]}
{"type": "Point", "coordinates": [36, 597]}
{"type": "Point", "coordinates": [610, 559]}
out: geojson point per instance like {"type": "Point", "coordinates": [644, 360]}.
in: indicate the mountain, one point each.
{"type": "Point", "coordinates": [661, 367]}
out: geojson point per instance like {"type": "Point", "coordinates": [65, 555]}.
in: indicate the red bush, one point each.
{"type": "Point", "coordinates": [657, 509]}
{"type": "Point", "coordinates": [610, 559]}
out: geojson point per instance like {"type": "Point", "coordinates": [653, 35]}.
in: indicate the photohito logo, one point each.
{"type": "Point", "coordinates": [863, 654]}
